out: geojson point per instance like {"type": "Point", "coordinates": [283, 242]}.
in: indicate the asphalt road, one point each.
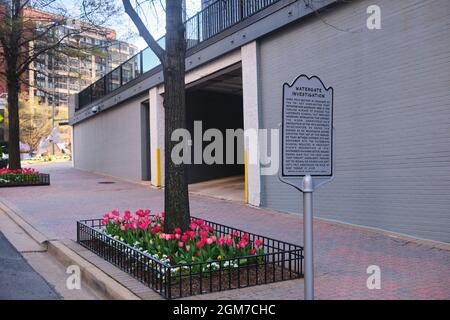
{"type": "Point", "coordinates": [18, 281]}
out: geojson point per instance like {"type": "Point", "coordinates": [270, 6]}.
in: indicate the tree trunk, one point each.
{"type": "Point", "coordinates": [13, 123]}
{"type": "Point", "coordinates": [176, 189]}
{"type": "Point", "coordinates": [12, 54]}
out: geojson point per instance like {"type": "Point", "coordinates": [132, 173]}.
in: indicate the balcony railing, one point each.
{"type": "Point", "coordinates": [212, 20]}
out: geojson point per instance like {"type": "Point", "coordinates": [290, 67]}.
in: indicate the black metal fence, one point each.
{"type": "Point", "coordinates": [212, 20]}
{"type": "Point", "coordinates": [281, 261]}
{"type": "Point", "coordinates": [40, 179]}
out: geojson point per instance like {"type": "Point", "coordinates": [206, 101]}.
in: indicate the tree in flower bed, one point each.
{"type": "Point", "coordinates": [200, 244]}
{"type": "Point", "coordinates": [8, 176]}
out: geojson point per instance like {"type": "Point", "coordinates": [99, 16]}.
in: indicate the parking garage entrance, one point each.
{"type": "Point", "coordinates": [216, 102]}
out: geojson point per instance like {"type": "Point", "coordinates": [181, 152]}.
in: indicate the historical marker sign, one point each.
{"type": "Point", "coordinates": [307, 138]}
{"type": "Point", "coordinates": [307, 152]}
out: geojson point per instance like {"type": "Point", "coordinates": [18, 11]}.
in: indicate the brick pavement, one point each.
{"type": "Point", "coordinates": [409, 269]}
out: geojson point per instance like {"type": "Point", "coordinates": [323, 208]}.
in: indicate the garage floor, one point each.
{"type": "Point", "coordinates": [231, 188]}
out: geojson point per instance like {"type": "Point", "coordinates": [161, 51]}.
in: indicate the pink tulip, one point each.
{"type": "Point", "coordinates": [243, 243]}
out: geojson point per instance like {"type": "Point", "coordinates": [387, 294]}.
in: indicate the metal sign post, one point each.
{"type": "Point", "coordinates": [307, 141]}
{"type": "Point", "coordinates": [308, 236]}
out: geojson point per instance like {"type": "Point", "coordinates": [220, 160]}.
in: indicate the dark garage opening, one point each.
{"type": "Point", "coordinates": [218, 104]}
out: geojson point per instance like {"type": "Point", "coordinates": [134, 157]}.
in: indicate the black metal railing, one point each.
{"type": "Point", "coordinates": [207, 23]}
{"type": "Point", "coordinates": [40, 179]}
{"type": "Point", "coordinates": [280, 261]}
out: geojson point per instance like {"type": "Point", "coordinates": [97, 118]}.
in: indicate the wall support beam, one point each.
{"type": "Point", "coordinates": [157, 136]}
{"type": "Point", "coordinates": [250, 66]}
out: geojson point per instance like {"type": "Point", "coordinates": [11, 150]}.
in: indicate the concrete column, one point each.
{"type": "Point", "coordinates": [250, 61]}
{"type": "Point", "coordinates": [157, 136]}
{"type": "Point", "coordinates": [73, 104]}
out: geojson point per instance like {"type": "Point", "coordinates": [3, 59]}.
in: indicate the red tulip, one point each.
{"type": "Point", "coordinates": [258, 243]}
{"type": "Point", "coordinates": [115, 213]}
{"type": "Point", "coordinates": [199, 245]}
{"type": "Point", "coordinates": [156, 229]}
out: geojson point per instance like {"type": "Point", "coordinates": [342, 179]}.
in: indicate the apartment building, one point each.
{"type": "Point", "coordinates": [54, 76]}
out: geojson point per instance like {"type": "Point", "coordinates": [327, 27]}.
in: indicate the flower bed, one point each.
{"type": "Point", "coordinates": [22, 178]}
{"type": "Point", "coordinates": [207, 258]}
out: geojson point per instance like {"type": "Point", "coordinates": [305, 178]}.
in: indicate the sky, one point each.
{"type": "Point", "coordinates": [152, 15]}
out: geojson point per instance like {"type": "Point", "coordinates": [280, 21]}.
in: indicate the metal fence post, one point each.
{"type": "Point", "coordinates": [198, 27]}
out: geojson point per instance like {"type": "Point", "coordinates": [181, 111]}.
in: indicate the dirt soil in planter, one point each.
{"type": "Point", "coordinates": [229, 279]}
{"type": "Point", "coordinates": [185, 285]}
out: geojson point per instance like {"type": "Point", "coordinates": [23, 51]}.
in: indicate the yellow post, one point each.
{"type": "Point", "coordinates": [246, 175]}
{"type": "Point", "coordinates": [158, 167]}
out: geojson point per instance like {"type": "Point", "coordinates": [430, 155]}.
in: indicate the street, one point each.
{"type": "Point", "coordinates": [18, 280]}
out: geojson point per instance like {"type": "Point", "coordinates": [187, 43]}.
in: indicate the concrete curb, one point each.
{"type": "Point", "coordinates": [93, 277]}
{"type": "Point", "coordinates": [13, 214]}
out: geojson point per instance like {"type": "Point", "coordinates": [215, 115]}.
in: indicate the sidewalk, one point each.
{"type": "Point", "coordinates": [409, 270]}
{"type": "Point", "coordinates": [18, 280]}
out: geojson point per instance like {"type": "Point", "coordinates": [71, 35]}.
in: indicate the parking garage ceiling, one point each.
{"type": "Point", "coordinates": [225, 81]}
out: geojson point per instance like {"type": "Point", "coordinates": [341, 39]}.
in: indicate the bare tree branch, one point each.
{"type": "Point", "coordinates": [143, 31]}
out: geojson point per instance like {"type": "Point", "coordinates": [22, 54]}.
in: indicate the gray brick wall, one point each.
{"type": "Point", "coordinates": [392, 112]}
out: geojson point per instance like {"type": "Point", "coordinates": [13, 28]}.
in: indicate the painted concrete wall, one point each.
{"type": "Point", "coordinates": [392, 111]}
{"type": "Point", "coordinates": [111, 143]}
